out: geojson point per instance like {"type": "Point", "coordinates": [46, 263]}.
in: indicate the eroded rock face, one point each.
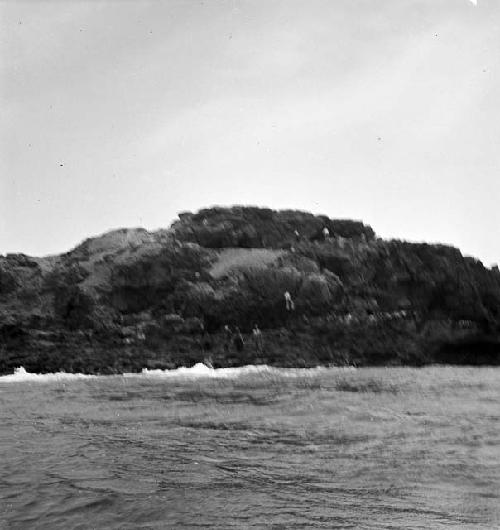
{"type": "Point", "coordinates": [149, 279]}
{"type": "Point", "coordinates": [368, 298]}
{"type": "Point", "coordinates": [18, 271]}
{"type": "Point", "coordinates": [322, 290]}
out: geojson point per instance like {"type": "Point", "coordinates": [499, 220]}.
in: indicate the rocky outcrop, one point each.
{"type": "Point", "coordinates": [132, 298]}
{"type": "Point", "coordinates": [252, 227]}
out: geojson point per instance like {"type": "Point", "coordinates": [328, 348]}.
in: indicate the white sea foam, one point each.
{"type": "Point", "coordinates": [200, 370]}
{"type": "Point", "coordinates": [20, 375]}
{"type": "Point", "coordinates": [197, 371]}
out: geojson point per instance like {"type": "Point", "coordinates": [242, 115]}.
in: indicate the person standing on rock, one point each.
{"type": "Point", "coordinates": [257, 338]}
{"type": "Point", "coordinates": [326, 233]}
{"type": "Point", "coordinates": [239, 343]}
{"type": "Point", "coordinates": [228, 337]}
{"type": "Point", "coordinates": [290, 306]}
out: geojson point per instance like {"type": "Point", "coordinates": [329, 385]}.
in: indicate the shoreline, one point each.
{"type": "Point", "coordinates": [200, 370]}
{"type": "Point", "coordinates": [110, 358]}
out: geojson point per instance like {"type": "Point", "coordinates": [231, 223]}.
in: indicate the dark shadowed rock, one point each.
{"type": "Point", "coordinates": [252, 227]}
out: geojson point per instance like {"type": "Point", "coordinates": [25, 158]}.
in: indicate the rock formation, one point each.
{"type": "Point", "coordinates": [131, 298]}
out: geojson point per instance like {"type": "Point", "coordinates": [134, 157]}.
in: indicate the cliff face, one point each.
{"type": "Point", "coordinates": [132, 298]}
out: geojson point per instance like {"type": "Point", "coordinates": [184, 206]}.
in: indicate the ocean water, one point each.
{"type": "Point", "coordinates": [254, 447]}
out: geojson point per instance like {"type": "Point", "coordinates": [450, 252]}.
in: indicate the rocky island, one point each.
{"type": "Point", "coordinates": [322, 291]}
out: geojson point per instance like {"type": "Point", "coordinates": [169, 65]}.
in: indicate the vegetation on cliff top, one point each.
{"type": "Point", "coordinates": [133, 298]}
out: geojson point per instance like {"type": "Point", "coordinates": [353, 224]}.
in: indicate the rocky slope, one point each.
{"type": "Point", "coordinates": [131, 298]}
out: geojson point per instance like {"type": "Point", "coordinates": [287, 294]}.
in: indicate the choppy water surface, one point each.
{"type": "Point", "coordinates": [250, 448]}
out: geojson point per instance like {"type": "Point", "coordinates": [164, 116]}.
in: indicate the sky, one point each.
{"type": "Point", "coordinates": [125, 113]}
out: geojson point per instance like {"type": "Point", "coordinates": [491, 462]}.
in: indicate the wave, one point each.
{"type": "Point", "coordinates": [199, 370]}
{"type": "Point", "coordinates": [21, 375]}
{"type": "Point", "coordinates": [202, 370]}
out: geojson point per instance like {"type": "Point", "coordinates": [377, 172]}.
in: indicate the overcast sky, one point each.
{"type": "Point", "coordinates": [125, 113]}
